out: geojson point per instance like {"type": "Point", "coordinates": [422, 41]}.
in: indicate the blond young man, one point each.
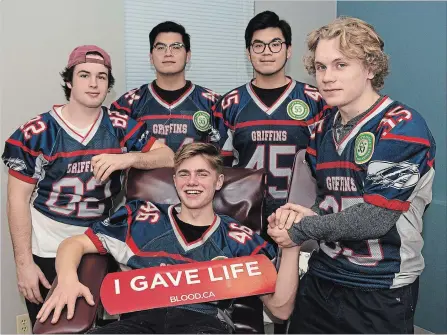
{"type": "Point", "coordinates": [373, 160]}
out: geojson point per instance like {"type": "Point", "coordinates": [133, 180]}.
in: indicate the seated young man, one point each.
{"type": "Point", "coordinates": [189, 231]}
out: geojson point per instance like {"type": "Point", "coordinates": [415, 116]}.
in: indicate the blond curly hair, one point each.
{"type": "Point", "coordinates": [358, 39]}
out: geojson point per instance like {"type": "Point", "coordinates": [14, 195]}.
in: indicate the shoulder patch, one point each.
{"type": "Point", "coordinates": [364, 147]}
{"type": "Point", "coordinates": [297, 109]}
{"type": "Point", "coordinates": [202, 121]}
{"type": "Point", "coordinates": [396, 175]}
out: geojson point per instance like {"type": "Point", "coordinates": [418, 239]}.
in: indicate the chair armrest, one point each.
{"type": "Point", "coordinates": [247, 315]}
{"type": "Point", "coordinates": [91, 272]}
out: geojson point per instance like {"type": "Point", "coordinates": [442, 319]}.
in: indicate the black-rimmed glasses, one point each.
{"type": "Point", "coordinates": [275, 46]}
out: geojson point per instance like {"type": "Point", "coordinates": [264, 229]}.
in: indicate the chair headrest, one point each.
{"type": "Point", "coordinates": [241, 196]}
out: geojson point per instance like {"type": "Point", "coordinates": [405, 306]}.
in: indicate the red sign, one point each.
{"type": "Point", "coordinates": [192, 283]}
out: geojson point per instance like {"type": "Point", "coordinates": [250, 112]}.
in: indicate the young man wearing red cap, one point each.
{"type": "Point", "coordinates": [66, 166]}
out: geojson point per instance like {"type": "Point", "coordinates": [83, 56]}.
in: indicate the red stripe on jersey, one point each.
{"type": "Point", "coordinates": [129, 135]}
{"type": "Point", "coordinates": [430, 162]}
{"type": "Point", "coordinates": [149, 144]}
{"type": "Point", "coordinates": [318, 117]}
{"type": "Point", "coordinates": [96, 241]}
{"type": "Point", "coordinates": [25, 148]}
{"type": "Point", "coordinates": [163, 117]}
{"type": "Point", "coordinates": [133, 246]}
{"type": "Point", "coordinates": [338, 164]}
{"type": "Point", "coordinates": [155, 254]}
{"type": "Point", "coordinates": [218, 115]}
{"type": "Point", "coordinates": [85, 152]}
{"type": "Point", "coordinates": [258, 248]}
{"type": "Point", "coordinates": [226, 153]}
{"type": "Point", "coordinates": [22, 177]}
{"type": "Point", "coordinates": [381, 201]}
{"type": "Point", "coordinates": [311, 151]}
{"type": "Point", "coordinates": [127, 110]}
{"type": "Point", "coordinates": [65, 154]}
{"type": "Point", "coordinates": [271, 123]}
{"type": "Point", "coordinates": [416, 140]}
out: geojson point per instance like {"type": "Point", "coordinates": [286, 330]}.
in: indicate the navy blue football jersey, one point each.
{"type": "Point", "coordinates": [142, 234]}
{"type": "Point", "coordinates": [387, 160]}
{"type": "Point", "coordinates": [45, 151]}
{"type": "Point", "coordinates": [184, 121]}
{"type": "Point", "coordinates": [256, 136]}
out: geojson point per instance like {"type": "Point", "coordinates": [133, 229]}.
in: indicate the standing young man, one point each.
{"type": "Point", "coordinates": [65, 167]}
{"type": "Point", "coordinates": [265, 122]}
{"type": "Point", "coordinates": [176, 111]}
{"type": "Point", "coordinates": [142, 234]}
{"type": "Point", "coordinates": [373, 160]}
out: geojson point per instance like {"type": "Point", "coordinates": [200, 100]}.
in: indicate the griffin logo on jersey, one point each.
{"type": "Point", "coordinates": [297, 109]}
{"type": "Point", "coordinates": [397, 175]}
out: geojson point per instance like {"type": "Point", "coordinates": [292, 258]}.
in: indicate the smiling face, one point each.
{"type": "Point", "coordinates": [196, 182]}
{"type": "Point", "coordinates": [268, 63]}
{"type": "Point", "coordinates": [342, 81]}
{"type": "Point", "coordinates": [89, 86]}
{"type": "Point", "coordinates": [168, 54]}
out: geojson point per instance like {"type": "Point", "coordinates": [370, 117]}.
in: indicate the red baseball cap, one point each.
{"type": "Point", "coordinates": [79, 56]}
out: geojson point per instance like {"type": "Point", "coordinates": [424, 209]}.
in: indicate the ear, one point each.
{"type": "Point", "coordinates": [370, 74]}
{"type": "Point", "coordinates": [175, 184]}
{"type": "Point", "coordinates": [69, 85]}
{"type": "Point", "coordinates": [247, 51]}
{"type": "Point", "coordinates": [289, 51]}
{"type": "Point", "coordinates": [188, 56]}
{"type": "Point", "coordinates": [220, 181]}
{"type": "Point", "coordinates": [150, 58]}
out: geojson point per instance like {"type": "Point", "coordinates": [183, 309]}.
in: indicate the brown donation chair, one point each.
{"type": "Point", "coordinates": [241, 197]}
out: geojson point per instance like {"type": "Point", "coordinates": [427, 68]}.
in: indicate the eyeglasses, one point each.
{"type": "Point", "coordinates": [275, 46]}
{"type": "Point", "coordinates": [174, 48]}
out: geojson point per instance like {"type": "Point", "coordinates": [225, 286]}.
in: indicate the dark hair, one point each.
{"type": "Point", "coordinates": [67, 77]}
{"type": "Point", "coordinates": [170, 27]}
{"type": "Point", "coordinates": [267, 19]}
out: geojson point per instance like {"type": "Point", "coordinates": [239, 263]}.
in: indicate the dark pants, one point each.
{"type": "Point", "coordinates": [325, 307]}
{"type": "Point", "coordinates": [47, 265]}
{"type": "Point", "coordinates": [165, 321]}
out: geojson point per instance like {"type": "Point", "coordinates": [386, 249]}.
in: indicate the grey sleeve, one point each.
{"type": "Point", "coordinates": [358, 222]}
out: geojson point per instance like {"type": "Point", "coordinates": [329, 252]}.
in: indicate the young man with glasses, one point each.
{"type": "Point", "coordinates": [266, 121]}
{"type": "Point", "coordinates": [176, 111]}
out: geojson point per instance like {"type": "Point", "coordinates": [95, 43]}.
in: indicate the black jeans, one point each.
{"type": "Point", "coordinates": [325, 307]}
{"type": "Point", "coordinates": [47, 265]}
{"type": "Point", "coordinates": [165, 321]}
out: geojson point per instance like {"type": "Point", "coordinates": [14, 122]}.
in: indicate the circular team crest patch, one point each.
{"type": "Point", "coordinates": [364, 147]}
{"type": "Point", "coordinates": [297, 109]}
{"type": "Point", "coordinates": [202, 121]}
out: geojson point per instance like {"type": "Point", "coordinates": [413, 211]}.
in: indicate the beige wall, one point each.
{"type": "Point", "coordinates": [36, 39]}
{"type": "Point", "coordinates": [303, 17]}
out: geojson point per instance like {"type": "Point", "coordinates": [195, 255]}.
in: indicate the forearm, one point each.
{"type": "Point", "coordinates": [156, 158]}
{"type": "Point", "coordinates": [281, 303]}
{"type": "Point", "coordinates": [69, 255]}
{"type": "Point", "coordinates": [19, 219]}
{"type": "Point", "coordinates": [359, 222]}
